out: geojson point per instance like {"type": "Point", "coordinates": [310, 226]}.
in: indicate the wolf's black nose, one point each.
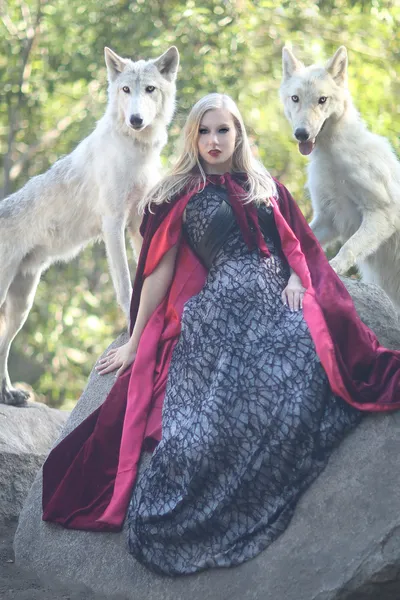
{"type": "Point", "coordinates": [136, 121]}
{"type": "Point", "coordinates": [301, 134]}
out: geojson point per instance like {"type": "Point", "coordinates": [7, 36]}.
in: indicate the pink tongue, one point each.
{"type": "Point", "coordinates": [306, 147]}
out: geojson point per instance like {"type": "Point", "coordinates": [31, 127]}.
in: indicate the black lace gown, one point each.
{"type": "Point", "coordinates": [249, 419]}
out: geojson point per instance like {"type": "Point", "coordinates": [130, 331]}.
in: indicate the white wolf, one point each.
{"type": "Point", "coordinates": [92, 193]}
{"type": "Point", "coordinates": [353, 174]}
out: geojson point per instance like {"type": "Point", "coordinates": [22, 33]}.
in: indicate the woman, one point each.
{"type": "Point", "coordinates": [255, 394]}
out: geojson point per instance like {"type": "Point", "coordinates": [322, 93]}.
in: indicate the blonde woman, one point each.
{"type": "Point", "coordinates": [246, 365]}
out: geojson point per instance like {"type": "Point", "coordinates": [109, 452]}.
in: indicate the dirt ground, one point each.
{"type": "Point", "coordinates": [17, 584]}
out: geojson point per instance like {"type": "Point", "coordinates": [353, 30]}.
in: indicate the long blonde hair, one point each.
{"type": "Point", "coordinates": [188, 172]}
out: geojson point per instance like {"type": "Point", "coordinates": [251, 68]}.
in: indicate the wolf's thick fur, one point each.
{"type": "Point", "coordinates": [92, 193]}
{"type": "Point", "coordinates": [353, 174]}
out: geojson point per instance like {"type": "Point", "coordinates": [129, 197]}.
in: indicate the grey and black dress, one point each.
{"type": "Point", "coordinates": [249, 418]}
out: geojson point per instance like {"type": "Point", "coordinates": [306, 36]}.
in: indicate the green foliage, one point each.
{"type": "Point", "coordinates": [53, 89]}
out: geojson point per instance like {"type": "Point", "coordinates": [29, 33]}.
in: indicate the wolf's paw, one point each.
{"type": "Point", "coordinates": [342, 262]}
{"type": "Point", "coordinates": [335, 266]}
{"type": "Point", "coordinates": [12, 396]}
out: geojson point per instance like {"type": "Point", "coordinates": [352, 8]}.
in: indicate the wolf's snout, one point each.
{"type": "Point", "coordinates": [306, 145]}
{"type": "Point", "coordinates": [301, 134]}
{"type": "Point", "coordinates": [136, 121]}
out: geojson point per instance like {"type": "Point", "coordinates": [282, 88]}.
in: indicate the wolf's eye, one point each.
{"type": "Point", "coordinates": [150, 89]}
{"type": "Point", "coordinates": [322, 100]}
{"type": "Point", "coordinates": [126, 89]}
{"type": "Point", "coordinates": [295, 98]}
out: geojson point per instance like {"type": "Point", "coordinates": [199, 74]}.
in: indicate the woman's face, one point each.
{"type": "Point", "coordinates": [216, 141]}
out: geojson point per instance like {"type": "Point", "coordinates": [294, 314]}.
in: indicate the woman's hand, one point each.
{"type": "Point", "coordinates": [293, 293]}
{"type": "Point", "coordinates": [119, 358]}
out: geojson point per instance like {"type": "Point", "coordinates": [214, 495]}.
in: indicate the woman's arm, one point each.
{"type": "Point", "coordinates": [154, 288]}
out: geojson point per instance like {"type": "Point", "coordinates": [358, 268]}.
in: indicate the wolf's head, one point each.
{"type": "Point", "coordinates": [312, 95]}
{"type": "Point", "coordinates": [142, 92]}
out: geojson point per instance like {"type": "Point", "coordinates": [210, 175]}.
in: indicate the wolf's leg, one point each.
{"type": "Point", "coordinates": [375, 229]}
{"type": "Point", "coordinates": [114, 238]}
{"type": "Point", "coordinates": [136, 239]}
{"type": "Point", "coordinates": [323, 229]}
{"type": "Point", "coordinates": [13, 315]}
{"type": "Point", "coordinates": [8, 270]}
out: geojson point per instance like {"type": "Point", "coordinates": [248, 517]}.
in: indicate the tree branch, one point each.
{"type": "Point", "coordinates": [48, 138]}
{"type": "Point", "coordinates": [13, 111]}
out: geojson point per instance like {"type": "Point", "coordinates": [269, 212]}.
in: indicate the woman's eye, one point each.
{"type": "Point", "coordinates": [224, 130]}
{"type": "Point", "coordinates": [126, 89]}
{"type": "Point", "coordinates": [202, 130]}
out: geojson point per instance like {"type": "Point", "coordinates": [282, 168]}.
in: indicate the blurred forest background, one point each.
{"type": "Point", "coordinates": [53, 89]}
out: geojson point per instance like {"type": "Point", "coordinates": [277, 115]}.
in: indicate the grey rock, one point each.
{"type": "Point", "coordinates": [376, 311]}
{"type": "Point", "coordinates": [26, 434]}
{"type": "Point", "coordinates": [342, 544]}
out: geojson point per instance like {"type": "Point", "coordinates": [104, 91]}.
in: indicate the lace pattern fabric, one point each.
{"type": "Point", "coordinates": [249, 419]}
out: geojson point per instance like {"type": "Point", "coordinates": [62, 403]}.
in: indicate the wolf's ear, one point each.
{"type": "Point", "coordinates": [115, 64]}
{"type": "Point", "coordinates": [290, 64]}
{"type": "Point", "coordinates": [168, 63]}
{"type": "Point", "coordinates": [337, 66]}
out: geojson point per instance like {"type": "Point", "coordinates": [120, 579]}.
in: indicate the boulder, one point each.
{"type": "Point", "coordinates": [343, 542]}
{"type": "Point", "coordinates": [375, 310]}
{"type": "Point", "coordinates": [26, 434]}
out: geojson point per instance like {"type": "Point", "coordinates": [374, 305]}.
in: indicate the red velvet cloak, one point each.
{"type": "Point", "coordinates": [88, 477]}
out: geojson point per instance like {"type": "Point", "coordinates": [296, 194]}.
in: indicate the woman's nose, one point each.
{"type": "Point", "coordinates": [214, 138]}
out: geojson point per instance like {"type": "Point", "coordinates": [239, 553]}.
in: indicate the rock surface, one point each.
{"type": "Point", "coordinates": [26, 434]}
{"type": "Point", "coordinates": [18, 584]}
{"type": "Point", "coordinates": [342, 544]}
{"type": "Point", "coordinates": [376, 310]}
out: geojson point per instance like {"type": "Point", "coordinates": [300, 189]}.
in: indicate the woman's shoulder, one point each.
{"type": "Point", "coordinates": [153, 215]}
{"type": "Point", "coordinates": [155, 212]}
{"type": "Point", "coordinates": [282, 193]}
{"type": "Point", "coordinates": [279, 185]}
